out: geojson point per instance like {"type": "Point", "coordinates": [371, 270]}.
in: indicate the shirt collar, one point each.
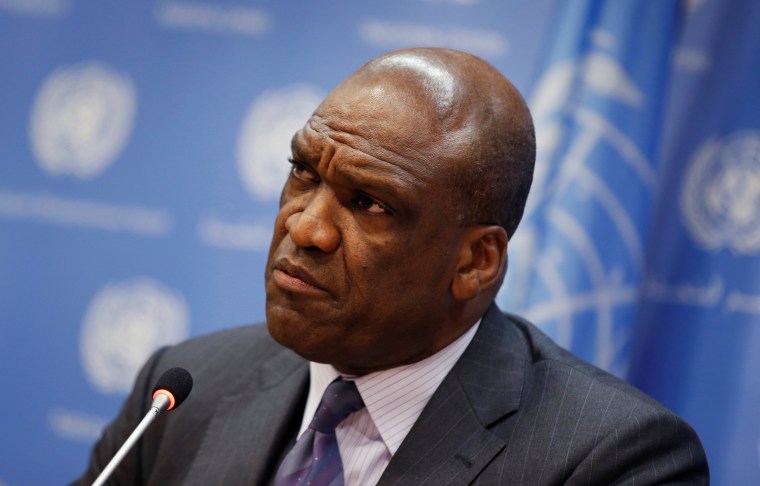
{"type": "Point", "coordinates": [394, 397]}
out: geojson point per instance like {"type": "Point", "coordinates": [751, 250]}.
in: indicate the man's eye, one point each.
{"type": "Point", "coordinates": [300, 171]}
{"type": "Point", "coordinates": [369, 205]}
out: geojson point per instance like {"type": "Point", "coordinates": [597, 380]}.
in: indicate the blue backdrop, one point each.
{"type": "Point", "coordinates": [143, 145]}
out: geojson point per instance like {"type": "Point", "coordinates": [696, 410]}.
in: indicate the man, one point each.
{"type": "Point", "coordinates": [388, 251]}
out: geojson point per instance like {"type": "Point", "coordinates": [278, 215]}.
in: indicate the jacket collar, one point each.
{"type": "Point", "coordinates": [263, 414]}
{"type": "Point", "coordinates": [451, 441]}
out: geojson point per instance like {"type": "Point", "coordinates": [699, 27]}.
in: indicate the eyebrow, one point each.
{"type": "Point", "coordinates": [373, 181]}
{"type": "Point", "coordinates": [363, 171]}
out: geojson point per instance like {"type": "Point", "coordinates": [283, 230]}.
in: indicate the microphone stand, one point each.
{"type": "Point", "coordinates": [160, 403]}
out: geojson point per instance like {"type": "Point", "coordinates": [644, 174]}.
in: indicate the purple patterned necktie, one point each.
{"type": "Point", "coordinates": [315, 459]}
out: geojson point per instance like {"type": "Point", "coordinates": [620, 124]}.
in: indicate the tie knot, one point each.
{"type": "Point", "coordinates": [340, 400]}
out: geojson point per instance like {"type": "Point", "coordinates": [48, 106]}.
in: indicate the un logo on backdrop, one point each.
{"type": "Point", "coordinates": [575, 260]}
{"type": "Point", "coordinates": [81, 119]}
{"type": "Point", "coordinates": [125, 322]}
{"type": "Point", "coordinates": [720, 197]}
{"type": "Point", "coordinates": [264, 139]}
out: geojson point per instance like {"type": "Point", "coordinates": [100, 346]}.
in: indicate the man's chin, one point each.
{"type": "Point", "coordinates": [289, 327]}
{"type": "Point", "coordinates": [292, 331]}
{"type": "Point", "coordinates": [303, 346]}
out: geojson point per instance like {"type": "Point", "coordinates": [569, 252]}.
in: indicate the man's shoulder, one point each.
{"type": "Point", "coordinates": [224, 344]}
{"type": "Point", "coordinates": [573, 419]}
{"type": "Point", "coordinates": [231, 358]}
{"type": "Point", "coordinates": [245, 335]}
{"type": "Point", "coordinates": [578, 383]}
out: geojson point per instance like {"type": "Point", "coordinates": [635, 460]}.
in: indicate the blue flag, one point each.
{"type": "Point", "coordinates": [576, 261]}
{"type": "Point", "coordinates": [697, 342]}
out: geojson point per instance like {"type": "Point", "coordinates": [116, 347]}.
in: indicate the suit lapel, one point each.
{"type": "Point", "coordinates": [248, 431]}
{"type": "Point", "coordinates": [450, 442]}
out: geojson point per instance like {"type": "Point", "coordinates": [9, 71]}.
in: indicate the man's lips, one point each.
{"type": "Point", "coordinates": [295, 279]}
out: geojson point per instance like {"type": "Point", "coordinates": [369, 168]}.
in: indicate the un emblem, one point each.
{"type": "Point", "coordinates": [81, 119]}
{"type": "Point", "coordinates": [720, 197]}
{"type": "Point", "coordinates": [575, 261]}
{"type": "Point", "coordinates": [264, 139]}
{"type": "Point", "coordinates": [125, 322]}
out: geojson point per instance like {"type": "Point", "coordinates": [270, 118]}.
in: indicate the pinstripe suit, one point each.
{"type": "Point", "coordinates": [515, 409]}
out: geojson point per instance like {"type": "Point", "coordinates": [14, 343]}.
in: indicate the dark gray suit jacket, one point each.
{"type": "Point", "coordinates": [515, 409]}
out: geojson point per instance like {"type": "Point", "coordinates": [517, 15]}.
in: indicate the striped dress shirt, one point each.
{"type": "Point", "coordinates": [394, 399]}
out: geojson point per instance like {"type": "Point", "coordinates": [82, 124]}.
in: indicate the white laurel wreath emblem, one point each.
{"type": "Point", "coordinates": [81, 119]}
{"type": "Point", "coordinates": [125, 322]}
{"type": "Point", "coordinates": [720, 196]}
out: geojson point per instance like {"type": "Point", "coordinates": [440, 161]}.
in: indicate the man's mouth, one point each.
{"type": "Point", "coordinates": [297, 280]}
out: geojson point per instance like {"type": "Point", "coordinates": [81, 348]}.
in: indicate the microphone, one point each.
{"type": "Point", "coordinates": [173, 387]}
{"type": "Point", "coordinates": [170, 391]}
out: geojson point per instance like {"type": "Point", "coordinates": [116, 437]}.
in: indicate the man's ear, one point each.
{"type": "Point", "coordinates": [482, 261]}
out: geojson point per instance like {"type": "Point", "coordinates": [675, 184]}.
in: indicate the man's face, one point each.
{"type": "Point", "coordinates": [365, 243]}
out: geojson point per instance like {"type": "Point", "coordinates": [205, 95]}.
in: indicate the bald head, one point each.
{"type": "Point", "coordinates": [480, 122]}
{"type": "Point", "coordinates": [406, 183]}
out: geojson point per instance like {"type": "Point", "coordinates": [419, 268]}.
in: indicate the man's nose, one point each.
{"type": "Point", "coordinates": [314, 226]}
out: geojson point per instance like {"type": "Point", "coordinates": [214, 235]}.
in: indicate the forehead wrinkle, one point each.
{"type": "Point", "coordinates": [363, 171]}
{"type": "Point", "coordinates": [399, 164]}
{"type": "Point", "coordinates": [375, 179]}
{"type": "Point", "coordinates": [304, 145]}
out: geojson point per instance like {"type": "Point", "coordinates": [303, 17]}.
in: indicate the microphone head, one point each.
{"type": "Point", "coordinates": [176, 384]}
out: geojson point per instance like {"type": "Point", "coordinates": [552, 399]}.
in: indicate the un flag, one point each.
{"type": "Point", "coordinates": [576, 262]}
{"type": "Point", "coordinates": [697, 338]}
